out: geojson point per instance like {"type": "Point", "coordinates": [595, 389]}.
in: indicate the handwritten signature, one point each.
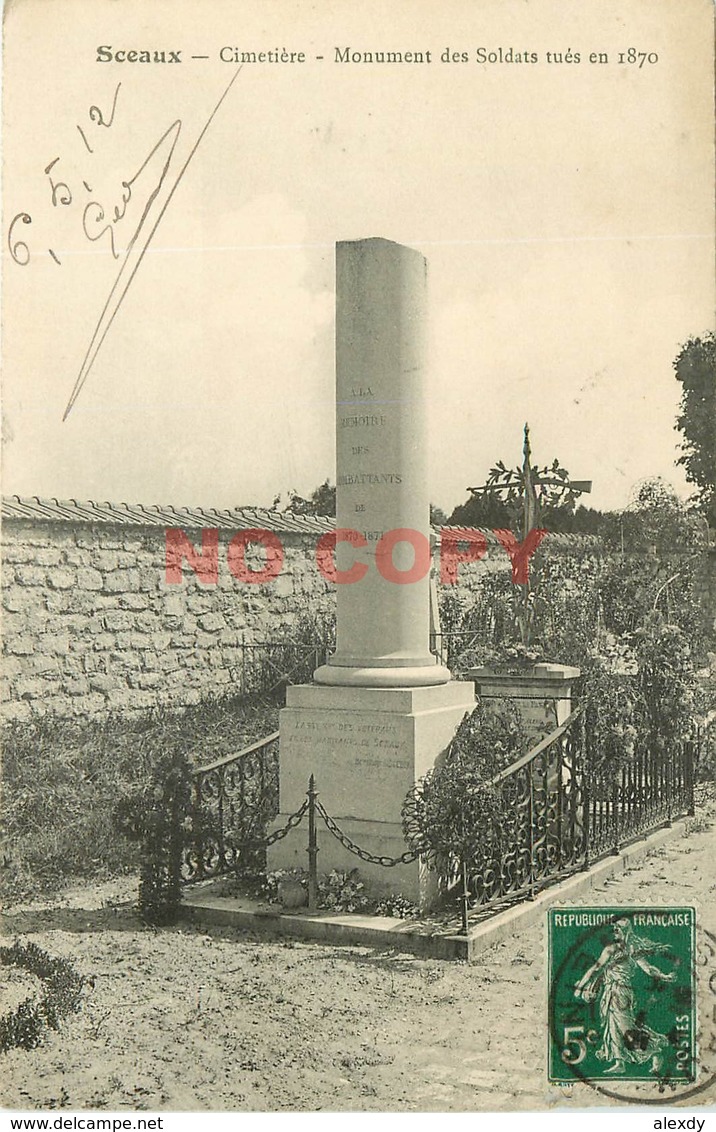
{"type": "Point", "coordinates": [96, 225]}
{"type": "Point", "coordinates": [94, 214]}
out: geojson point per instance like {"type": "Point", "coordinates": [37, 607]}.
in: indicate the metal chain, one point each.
{"type": "Point", "coordinates": [293, 821]}
{"type": "Point", "coordinates": [386, 862]}
{"type": "Point", "coordinates": [264, 842]}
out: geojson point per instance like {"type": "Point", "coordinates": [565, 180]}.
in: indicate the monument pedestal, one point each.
{"type": "Point", "coordinates": [366, 747]}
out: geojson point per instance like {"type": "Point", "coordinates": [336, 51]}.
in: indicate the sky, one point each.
{"type": "Point", "coordinates": [565, 210]}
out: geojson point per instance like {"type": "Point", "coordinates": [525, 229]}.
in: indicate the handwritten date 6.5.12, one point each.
{"type": "Point", "coordinates": [100, 219]}
{"type": "Point", "coordinates": [103, 220]}
{"type": "Point", "coordinates": [61, 195]}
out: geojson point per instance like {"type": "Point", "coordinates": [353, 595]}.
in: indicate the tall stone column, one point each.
{"type": "Point", "coordinates": [383, 505]}
{"type": "Point", "coordinates": [382, 710]}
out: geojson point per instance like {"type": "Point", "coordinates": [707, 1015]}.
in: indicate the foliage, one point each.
{"type": "Point", "coordinates": [695, 367]}
{"type": "Point", "coordinates": [564, 603]}
{"type": "Point", "coordinates": [486, 511]}
{"type": "Point", "coordinates": [289, 659]}
{"type": "Point", "coordinates": [398, 906]}
{"type": "Point", "coordinates": [157, 814]}
{"type": "Point", "coordinates": [583, 521]}
{"type": "Point", "coordinates": [24, 1026]}
{"type": "Point", "coordinates": [666, 681]}
{"type": "Point", "coordinates": [456, 807]}
{"type": "Point", "coordinates": [569, 612]}
{"type": "Point", "coordinates": [659, 521]}
{"type": "Point", "coordinates": [652, 556]}
{"type": "Point", "coordinates": [342, 892]}
{"type": "Point", "coordinates": [321, 501]}
{"type": "Point", "coordinates": [337, 891]}
{"type": "Point", "coordinates": [640, 691]}
{"type": "Point", "coordinates": [62, 779]}
{"type": "Point", "coordinates": [611, 718]}
{"type": "Point", "coordinates": [706, 753]}
{"type": "Point", "coordinates": [527, 495]}
{"type": "Point", "coordinates": [649, 558]}
{"type": "Point", "coordinates": [473, 624]}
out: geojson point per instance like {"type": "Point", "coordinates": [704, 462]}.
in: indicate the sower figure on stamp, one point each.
{"type": "Point", "coordinates": [625, 1038]}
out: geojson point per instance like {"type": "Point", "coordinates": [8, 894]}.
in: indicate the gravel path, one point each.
{"type": "Point", "coordinates": [184, 1019]}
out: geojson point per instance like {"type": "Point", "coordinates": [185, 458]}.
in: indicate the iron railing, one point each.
{"type": "Point", "coordinates": [265, 666]}
{"type": "Point", "coordinates": [558, 813]}
{"type": "Point", "coordinates": [458, 649]}
{"type": "Point", "coordinates": [233, 800]}
{"type": "Point", "coordinates": [539, 833]}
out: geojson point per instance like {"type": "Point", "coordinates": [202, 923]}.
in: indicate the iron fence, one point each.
{"type": "Point", "coordinates": [267, 666]}
{"type": "Point", "coordinates": [557, 812]}
{"type": "Point", "coordinates": [233, 800]}
{"type": "Point", "coordinates": [458, 649]}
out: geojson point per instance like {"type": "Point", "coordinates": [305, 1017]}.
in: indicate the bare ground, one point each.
{"type": "Point", "coordinates": [185, 1019]}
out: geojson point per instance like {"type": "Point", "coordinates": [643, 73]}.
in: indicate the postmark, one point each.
{"type": "Point", "coordinates": [624, 987]}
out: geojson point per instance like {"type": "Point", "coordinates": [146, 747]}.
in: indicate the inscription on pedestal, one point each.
{"type": "Point", "coordinates": [327, 734]}
{"type": "Point", "coordinates": [360, 763]}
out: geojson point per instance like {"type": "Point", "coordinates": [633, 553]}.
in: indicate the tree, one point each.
{"type": "Point", "coordinates": [321, 501]}
{"type": "Point", "coordinates": [652, 560]}
{"type": "Point", "coordinates": [695, 367]}
{"type": "Point", "coordinates": [487, 511]}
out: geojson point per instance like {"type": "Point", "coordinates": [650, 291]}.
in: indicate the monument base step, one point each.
{"type": "Point", "coordinates": [206, 905]}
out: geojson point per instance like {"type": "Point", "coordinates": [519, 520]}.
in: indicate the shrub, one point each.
{"type": "Point", "coordinates": [399, 907]}
{"type": "Point", "coordinates": [456, 808]}
{"type": "Point", "coordinates": [641, 690]}
{"type": "Point", "coordinates": [667, 681]}
{"type": "Point", "coordinates": [24, 1026]}
{"type": "Point", "coordinates": [612, 716]}
{"type": "Point", "coordinates": [63, 779]}
{"type": "Point", "coordinates": [157, 815]}
{"type": "Point", "coordinates": [343, 892]}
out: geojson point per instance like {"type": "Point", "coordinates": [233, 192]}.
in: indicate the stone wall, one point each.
{"type": "Point", "coordinates": [90, 623]}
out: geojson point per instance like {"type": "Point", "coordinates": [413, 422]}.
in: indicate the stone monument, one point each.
{"type": "Point", "coordinates": [382, 709]}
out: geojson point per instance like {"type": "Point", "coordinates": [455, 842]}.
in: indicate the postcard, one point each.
{"type": "Point", "coordinates": [358, 562]}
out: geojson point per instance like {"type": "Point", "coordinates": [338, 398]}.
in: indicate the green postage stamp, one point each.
{"type": "Point", "coordinates": [622, 999]}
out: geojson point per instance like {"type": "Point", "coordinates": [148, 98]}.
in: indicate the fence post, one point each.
{"type": "Point", "coordinates": [616, 832]}
{"type": "Point", "coordinates": [465, 898]}
{"type": "Point", "coordinates": [689, 771]}
{"type": "Point", "coordinates": [197, 831]}
{"type": "Point", "coordinates": [531, 823]}
{"type": "Point", "coordinates": [312, 846]}
{"type": "Point", "coordinates": [585, 764]}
